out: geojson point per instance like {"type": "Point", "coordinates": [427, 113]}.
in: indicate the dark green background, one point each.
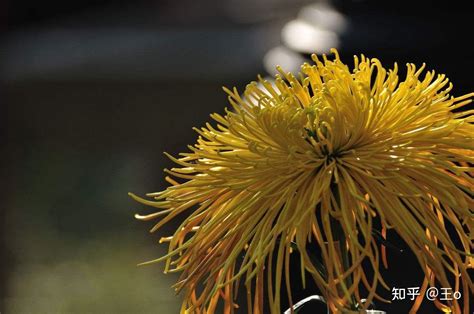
{"type": "Point", "coordinates": [92, 93]}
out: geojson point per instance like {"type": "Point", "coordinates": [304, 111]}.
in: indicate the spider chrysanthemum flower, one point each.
{"type": "Point", "coordinates": [325, 158]}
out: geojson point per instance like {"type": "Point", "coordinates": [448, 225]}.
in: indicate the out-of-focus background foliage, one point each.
{"type": "Point", "coordinates": [92, 93]}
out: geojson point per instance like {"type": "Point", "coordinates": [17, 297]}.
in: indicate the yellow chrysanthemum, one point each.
{"type": "Point", "coordinates": [323, 159]}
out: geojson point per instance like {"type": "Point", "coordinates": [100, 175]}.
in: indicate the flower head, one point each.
{"type": "Point", "coordinates": [325, 158]}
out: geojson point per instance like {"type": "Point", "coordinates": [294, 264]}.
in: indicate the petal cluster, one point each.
{"type": "Point", "coordinates": [322, 160]}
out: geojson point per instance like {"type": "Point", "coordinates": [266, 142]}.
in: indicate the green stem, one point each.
{"type": "Point", "coordinates": [339, 236]}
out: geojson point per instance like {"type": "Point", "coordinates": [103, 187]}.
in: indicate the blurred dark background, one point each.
{"type": "Point", "coordinates": [92, 93]}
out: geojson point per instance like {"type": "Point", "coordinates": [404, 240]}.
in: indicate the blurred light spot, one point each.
{"type": "Point", "coordinates": [307, 38]}
{"type": "Point", "coordinates": [324, 16]}
{"type": "Point", "coordinates": [289, 60]}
